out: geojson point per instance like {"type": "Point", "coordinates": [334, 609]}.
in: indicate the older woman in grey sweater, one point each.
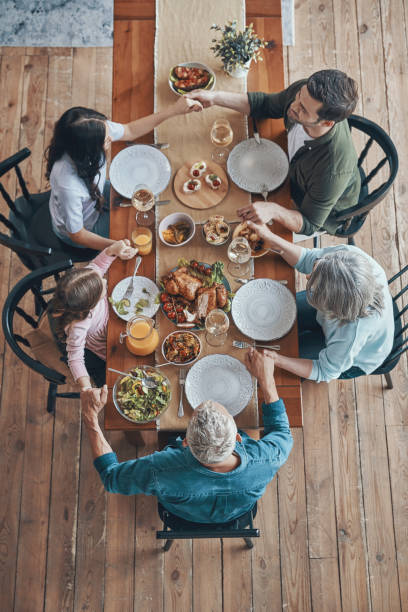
{"type": "Point", "coordinates": [345, 316]}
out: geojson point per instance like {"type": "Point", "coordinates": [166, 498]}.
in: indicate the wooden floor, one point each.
{"type": "Point", "coordinates": [334, 522]}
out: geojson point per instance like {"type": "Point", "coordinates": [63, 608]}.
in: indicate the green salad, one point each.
{"type": "Point", "coordinates": [139, 403]}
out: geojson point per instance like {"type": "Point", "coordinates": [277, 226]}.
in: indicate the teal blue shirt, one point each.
{"type": "Point", "coordinates": [191, 491]}
{"type": "Point", "coordinates": [364, 343]}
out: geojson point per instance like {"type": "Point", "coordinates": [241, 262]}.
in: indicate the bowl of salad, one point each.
{"type": "Point", "coordinates": [137, 403]}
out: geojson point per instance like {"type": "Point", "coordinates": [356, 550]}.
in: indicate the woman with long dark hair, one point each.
{"type": "Point", "coordinates": [76, 169]}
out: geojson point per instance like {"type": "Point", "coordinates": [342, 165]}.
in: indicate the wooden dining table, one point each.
{"type": "Point", "coordinates": [133, 97]}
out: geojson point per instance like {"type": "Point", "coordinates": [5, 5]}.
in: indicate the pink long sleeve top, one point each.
{"type": "Point", "coordinates": [91, 332]}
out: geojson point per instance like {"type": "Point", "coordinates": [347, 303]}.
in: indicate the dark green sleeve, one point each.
{"type": "Point", "coordinates": [272, 105]}
{"type": "Point", "coordinates": [322, 195]}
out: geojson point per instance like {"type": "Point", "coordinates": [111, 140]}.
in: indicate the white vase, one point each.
{"type": "Point", "coordinates": [240, 71]}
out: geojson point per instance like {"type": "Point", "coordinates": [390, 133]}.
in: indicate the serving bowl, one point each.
{"type": "Point", "coordinates": [216, 244]}
{"type": "Point", "coordinates": [174, 335]}
{"type": "Point", "coordinates": [123, 404]}
{"type": "Point", "coordinates": [180, 92]}
{"type": "Point", "coordinates": [173, 219]}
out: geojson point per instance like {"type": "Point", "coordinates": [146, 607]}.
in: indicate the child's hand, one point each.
{"type": "Point", "coordinates": [122, 249]}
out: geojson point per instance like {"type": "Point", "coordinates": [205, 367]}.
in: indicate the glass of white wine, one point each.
{"type": "Point", "coordinates": [143, 201]}
{"type": "Point", "coordinates": [216, 327]}
{"type": "Point", "coordinates": [239, 254]}
{"type": "Point", "coordinates": [221, 134]}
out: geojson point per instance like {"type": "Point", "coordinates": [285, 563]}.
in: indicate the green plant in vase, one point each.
{"type": "Point", "coordinates": [237, 49]}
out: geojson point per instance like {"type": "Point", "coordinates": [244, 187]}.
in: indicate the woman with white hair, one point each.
{"type": "Point", "coordinates": [345, 316]}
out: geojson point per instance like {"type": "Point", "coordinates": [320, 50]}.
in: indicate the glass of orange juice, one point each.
{"type": "Point", "coordinates": [142, 238]}
{"type": "Point", "coordinates": [141, 335]}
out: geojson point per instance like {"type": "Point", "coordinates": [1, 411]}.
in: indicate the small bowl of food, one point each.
{"type": "Point", "coordinates": [176, 229]}
{"type": "Point", "coordinates": [137, 403]}
{"type": "Point", "coordinates": [191, 75]}
{"type": "Point", "coordinates": [181, 348]}
{"type": "Point", "coordinates": [255, 242]}
{"type": "Point", "coordinates": [216, 230]}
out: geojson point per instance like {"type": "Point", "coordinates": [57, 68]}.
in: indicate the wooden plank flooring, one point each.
{"type": "Point", "coordinates": [335, 522]}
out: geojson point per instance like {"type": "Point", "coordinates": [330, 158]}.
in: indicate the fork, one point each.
{"type": "Point", "coordinates": [129, 290]}
{"type": "Point", "coordinates": [240, 344]}
{"type": "Point", "coordinates": [182, 381]}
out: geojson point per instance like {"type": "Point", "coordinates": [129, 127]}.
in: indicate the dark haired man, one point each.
{"type": "Point", "coordinates": [323, 173]}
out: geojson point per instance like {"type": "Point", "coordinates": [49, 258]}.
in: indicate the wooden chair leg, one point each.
{"type": "Point", "coordinates": [52, 397]}
{"type": "Point", "coordinates": [249, 542]}
{"type": "Point", "coordinates": [388, 380]}
{"type": "Point", "coordinates": [167, 545]}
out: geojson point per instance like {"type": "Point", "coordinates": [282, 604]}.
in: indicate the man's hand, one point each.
{"type": "Point", "coordinates": [258, 212]}
{"type": "Point", "coordinates": [262, 366]}
{"type": "Point", "coordinates": [92, 402]}
{"type": "Point", "coordinates": [186, 105]}
{"type": "Point", "coordinates": [206, 98]}
{"type": "Point", "coordinates": [122, 248]}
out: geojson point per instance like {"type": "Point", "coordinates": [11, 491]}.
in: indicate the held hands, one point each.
{"type": "Point", "coordinates": [262, 366]}
{"type": "Point", "coordinates": [206, 98]}
{"type": "Point", "coordinates": [186, 105]}
{"type": "Point", "coordinates": [122, 249]}
{"type": "Point", "coordinates": [92, 402]}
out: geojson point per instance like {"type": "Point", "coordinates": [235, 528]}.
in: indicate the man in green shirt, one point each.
{"type": "Point", "coordinates": [323, 172]}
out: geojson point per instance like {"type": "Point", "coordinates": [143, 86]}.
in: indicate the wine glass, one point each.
{"type": "Point", "coordinates": [239, 254]}
{"type": "Point", "coordinates": [221, 134]}
{"type": "Point", "coordinates": [216, 327]}
{"type": "Point", "coordinates": [143, 201]}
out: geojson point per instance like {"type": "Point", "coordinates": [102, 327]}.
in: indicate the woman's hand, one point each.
{"type": "Point", "coordinates": [186, 105]}
{"type": "Point", "coordinates": [258, 212]}
{"type": "Point", "coordinates": [262, 366]}
{"type": "Point", "coordinates": [122, 249]}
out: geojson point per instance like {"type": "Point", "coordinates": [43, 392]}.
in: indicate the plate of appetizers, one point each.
{"type": "Point", "coordinates": [191, 290]}
{"type": "Point", "coordinates": [221, 378]}
{"type": "Point", "coordinates": [258, 167]}
{"type": "Point", "coordinates": [200, 184]}
{"type": "Point", "coordinates": [187, 76]}
{"type": "Point", "coordinates": [216, 230]}
{"type": "Point", "coordinates": [255, 242]}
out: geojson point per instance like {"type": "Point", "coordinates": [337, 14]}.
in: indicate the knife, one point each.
{"type": "Point", "coordinates": [127, 204]}
{"type": "Point", "coordinates": [158, 145]}
{"type": "Point", "coordinates": [256, 133]}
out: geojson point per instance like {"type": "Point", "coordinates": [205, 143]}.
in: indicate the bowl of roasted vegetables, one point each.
{"type": "Point", "coordinates": [176, 229]}
{"type": "Point", "coordinates": [191, 75]}
{"type": "Point", "coordinates": [137, 403]}
{"type": "Point", "coordinates": [181, 347]}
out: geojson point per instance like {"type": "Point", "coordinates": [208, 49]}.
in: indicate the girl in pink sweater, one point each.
{"type": "Point", "coordinates": [80, 311]}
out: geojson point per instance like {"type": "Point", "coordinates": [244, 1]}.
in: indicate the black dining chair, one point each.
{"type": "Point", "coordinates": [400, 344]}
{"type": "Point", "coordinates": [353, 218]}
{"type": "Point", "coordinates": [29, 225]}
{"type": "Point", "coordinates": [176, 528]}
{"type": "Point", "coordinates": [23, 300]}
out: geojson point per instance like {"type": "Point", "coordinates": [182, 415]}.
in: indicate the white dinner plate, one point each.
{"type": "Point", "coordinates": [139, 164]}
{"type": "Point", "coordinates": [258, 167]}
{"type": "Point", "coordinates": [221, 378]}
{"type": "Point", "coordinates": [139, 283]}
{"type": "Point", "coordinates": [264, 309]}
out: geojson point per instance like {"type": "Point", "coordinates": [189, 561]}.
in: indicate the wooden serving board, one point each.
{"type": "Point", "coordinates": [205, 197]}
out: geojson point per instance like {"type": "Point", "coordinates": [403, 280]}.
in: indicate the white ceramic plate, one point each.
{"type": "Point", "coordinates": [221, 378]}
{"type": "Point", "coordinates": [139, 164]}
{"type": "Point", "coordinates": [264, 309]}
{"type": "Point", "coordinates": [258, 167]}
{"type": "Point", "coordinates": [139, 283]}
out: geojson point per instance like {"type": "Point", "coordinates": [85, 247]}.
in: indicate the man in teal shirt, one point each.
{"type": "Point", "coordinates": [323, 173]}
{"type": "Point", "coordinates": [216, 473]}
